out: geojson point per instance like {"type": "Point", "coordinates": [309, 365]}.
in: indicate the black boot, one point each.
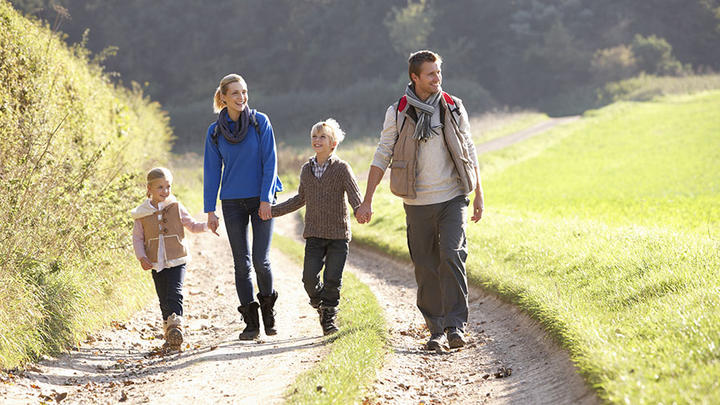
{"type": "Point", "coordinates": [268, 313]}
{"type": "Point", "coordinates": [327, 320]}
{"type": "Point", "coordinates": [249, 313]}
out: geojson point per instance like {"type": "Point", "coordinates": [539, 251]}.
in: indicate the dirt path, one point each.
{"type": "Point", "coordinates": [509, 358]}
{"type": "Point", "coordinates": [507, 140]}
{"type": "Point", "coordinates": [117, 365]}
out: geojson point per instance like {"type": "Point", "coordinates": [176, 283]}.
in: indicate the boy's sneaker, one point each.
{"type": "Point", "coordinates": [435, 342]}
{"type": "Point", "coordinates": [327, 320]}
{"type": "Point", "coordinates": [455, 338]}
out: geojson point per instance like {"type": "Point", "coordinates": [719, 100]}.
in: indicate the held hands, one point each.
{"type": "Point", "coordinates": [213, 222]}
{"type": "Point", "coordinates": [145, 263]}
{"type": "Point", "coordinates": [364, 212]}
{"type": "Point", "coordinates": [265, 212]}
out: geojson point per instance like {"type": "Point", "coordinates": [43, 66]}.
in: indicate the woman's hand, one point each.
{"type": "Point", "coordinates": [264, 211]}
{"type": "Point", "coordinates": [213, 222]}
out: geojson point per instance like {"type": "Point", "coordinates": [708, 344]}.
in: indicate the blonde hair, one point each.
{"type": "Point", "coordinates": [218, 103]}
{"type": "Point", "coordinates": [159, 173]}
{"type": "Point", "coordinates": [331, 127]}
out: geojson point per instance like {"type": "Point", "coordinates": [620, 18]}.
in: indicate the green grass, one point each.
{"type": "Point", "coordinates": [607, 232]}
{"type": "Point", "coordinates": [356, 351]}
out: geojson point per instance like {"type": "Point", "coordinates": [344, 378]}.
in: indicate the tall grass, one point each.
{"type": "Point", "coordinates": [607, 231]}
{"type": "Point", "coordinates": [73, 147]}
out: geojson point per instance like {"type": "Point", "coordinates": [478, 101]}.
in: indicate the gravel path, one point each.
{"type": "Point", "coordinates": [119, 364]}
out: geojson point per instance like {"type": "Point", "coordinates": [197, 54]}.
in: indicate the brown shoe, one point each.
{"type": "Point", "coordinates": [455, 338]}
{"type": "Point", "coordinates": [173, 333]}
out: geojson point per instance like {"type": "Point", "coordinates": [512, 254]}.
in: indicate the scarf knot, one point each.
{"type": "Point", "coordinates": [424, 129]}
{"type": "Point", "coordinates": [238, 133]}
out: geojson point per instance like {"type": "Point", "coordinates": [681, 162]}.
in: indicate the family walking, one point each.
{"type": "Point", "coordinates": [426, 143]}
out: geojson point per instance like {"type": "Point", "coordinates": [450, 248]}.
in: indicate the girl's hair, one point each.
{"type": "Point", "coordinates": [332, 127]}
{"type": "Point", "coordinates": [222, 89]}
{"type": "Point", "coordinates": [159, 173]}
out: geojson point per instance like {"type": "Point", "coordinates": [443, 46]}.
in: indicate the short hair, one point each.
{"type": "Point", "coordinates": [159, 173]}
{"type": "Point", "coordinates": [416, 60]}
{"type": "Point", "coordinates": [218, 104]}
{"type": "Point", "coordinates": [332, 127]}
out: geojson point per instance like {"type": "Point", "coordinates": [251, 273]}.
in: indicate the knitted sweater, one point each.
{"type": "Point", "coordinates": [326, 214]}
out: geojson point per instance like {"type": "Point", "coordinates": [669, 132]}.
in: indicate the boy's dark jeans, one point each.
{"type": "Point", "coordinates": [332, 253]}
{"type": "Point", "coordinates": [238, 214]}
{"type": "Point", "coordinates": [168, 285]}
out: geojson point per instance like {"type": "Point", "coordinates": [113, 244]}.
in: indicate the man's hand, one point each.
{"type": "Point", "coordinates": [478, 206]}
{"type": "Point", "coordinates": [265, 211]}
{"type": "Point", "coordinates": [213, 222]}
{"type": "Point", "coordinates": [145, 263]}
{"type": "Point", "coordinates": [364, 213]}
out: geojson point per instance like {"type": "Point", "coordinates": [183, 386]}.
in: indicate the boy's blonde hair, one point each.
{"type": "Point", "coordinates": [218, 103]}
{"type": "Point", "coordinates": [331, 127]}
{"type": "Point", "coordinates": [159, 173]}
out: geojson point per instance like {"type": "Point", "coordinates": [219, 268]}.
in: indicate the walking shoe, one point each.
{"type": "Point", "coordinates": [268, 313]}
{"type": "Point", "coordinates": [435, 342]}
{"type": "Point", "coordinates": [173, 334]}
{"type": "Point", "coordinates": [250, 316]}
{"type": "Point", "coordinates": [327, 320]}
{"type": "Point", "coordinates": [455, 338]}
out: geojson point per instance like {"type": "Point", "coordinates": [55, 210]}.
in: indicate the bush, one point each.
{"type": "Point", "coordinates": [613, 64]}
{"type": "Point", "coordinates": [654, 56]}
{"type": "Point", "coordinates": [73, 146]}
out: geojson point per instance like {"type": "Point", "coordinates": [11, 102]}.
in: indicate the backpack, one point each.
{"type": "Point", "coordinates": [402, 104]}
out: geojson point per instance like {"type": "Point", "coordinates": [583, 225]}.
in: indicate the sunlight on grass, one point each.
{"type": "Point", "coordinates": [356, 351]}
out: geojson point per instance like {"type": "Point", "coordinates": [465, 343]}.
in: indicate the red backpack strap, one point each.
{"type": "Point", "coordinates": [448, 99]}
{"type": "Point", "coordinates": [402, 103]}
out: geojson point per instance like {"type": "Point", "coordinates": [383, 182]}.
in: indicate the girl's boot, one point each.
{"type": "Point", "coordinates": [268, 313]}
{"type": "Point", "coordinates": [327, 320]}
{"type": "Point", "coordinates": [173, 334]}
{"type": "Point", "coordinates": [250, 316]}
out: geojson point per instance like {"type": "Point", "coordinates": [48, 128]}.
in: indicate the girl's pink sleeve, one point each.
{"type": "Point", "coordinates": [189, 223]}
{"type": "Point", "coordinates": [139, 240]}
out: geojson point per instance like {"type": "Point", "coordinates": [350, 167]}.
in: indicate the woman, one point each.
{"type": "Point", "coordinates": [240, 160]}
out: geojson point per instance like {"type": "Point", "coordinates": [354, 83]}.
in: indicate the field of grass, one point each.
{"type": "Point", "coordinates": [357, 350]}
{"type": "Point", "coordinates": [492, 125]}
{"type": "Point", "coordinates": [608, 232]}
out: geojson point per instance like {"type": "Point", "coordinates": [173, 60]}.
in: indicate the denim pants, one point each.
{"type": "Point", "coordinates": [438, 249]}
{"type": "Point", "coordinates": [238, 214]}
{"type": "Point", "coordinates": [329, 252]}
{"type": "Point", "coordinates": [168, 285]}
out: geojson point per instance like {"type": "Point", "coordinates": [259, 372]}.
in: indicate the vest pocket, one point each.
{"type": "Point", "coordinates": [399, 180]}
{"type": "Point", "coordinates": [174, 248]}
{"type": "Point", "coordinates": [151, 249]}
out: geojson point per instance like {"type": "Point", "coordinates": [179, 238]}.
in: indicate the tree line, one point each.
{"type": "Point", "coordinates": [307, 60]}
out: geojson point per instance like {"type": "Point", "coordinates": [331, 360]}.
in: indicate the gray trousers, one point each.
{"type": "Point", "coordinates": [438, 249]}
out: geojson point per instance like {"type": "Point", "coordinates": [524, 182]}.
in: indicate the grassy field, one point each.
{"type": "Point", "coordinates": [608, 232]}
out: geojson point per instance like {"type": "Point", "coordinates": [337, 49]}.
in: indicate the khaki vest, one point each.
{"type": "Point", "coordinates": [172, 232]}
{"type": "Point", "coordinates": [403, 168]}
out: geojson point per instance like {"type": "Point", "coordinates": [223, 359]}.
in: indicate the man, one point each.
{"type": "Point", "coordinates": [427, 144]}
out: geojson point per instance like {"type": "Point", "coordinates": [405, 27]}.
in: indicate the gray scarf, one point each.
{"type": "Point", "coordinates": [238, 132]}
{"type": "Point", "coordinates": [425, 111]}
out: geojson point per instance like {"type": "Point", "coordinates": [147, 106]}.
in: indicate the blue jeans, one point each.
{"type": "Point", "coordinates": [329, 252]}
{"type": "Point", "coordinates": [238, 214]}
{"type": "Point", "coordinates": [168, 285]}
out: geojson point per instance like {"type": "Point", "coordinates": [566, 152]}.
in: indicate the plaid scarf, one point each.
{"type": "Point", "coordinates": [425, 111]}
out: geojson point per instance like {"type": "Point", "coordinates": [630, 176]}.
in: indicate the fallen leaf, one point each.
{"type": "Point", "coordinates": [123, 396]}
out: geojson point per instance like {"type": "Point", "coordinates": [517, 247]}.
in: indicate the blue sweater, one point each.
{"type": "Point", "coordinates": [244, 174]}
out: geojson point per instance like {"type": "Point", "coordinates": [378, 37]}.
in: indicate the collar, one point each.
{"type": "Point", "coordinates": [146, 208]}
{"type": "Point", "coordinates": [330, 159]}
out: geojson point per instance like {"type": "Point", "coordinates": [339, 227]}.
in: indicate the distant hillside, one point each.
{"type": "Point", "coordinates": [73, 149]}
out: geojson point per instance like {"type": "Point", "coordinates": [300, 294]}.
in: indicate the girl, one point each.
{"type": "Point", "coordinates": [240, 159]}
{"type": "Point", "coordinates": [324, 181]}
{"type": "Point", "coordinates": [158, 239]}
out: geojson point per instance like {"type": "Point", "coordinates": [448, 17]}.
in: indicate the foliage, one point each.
{"type": "Point", "coordinates": [607, 231]}
{"type": "Point", "coordinates": [306, 60]}
{"type": "Point", "coordinates": [654, 56]}
{"type": "Point", "coordinates": [73, 146]}
{"type": "Point", "coordinates": [613, 64]}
